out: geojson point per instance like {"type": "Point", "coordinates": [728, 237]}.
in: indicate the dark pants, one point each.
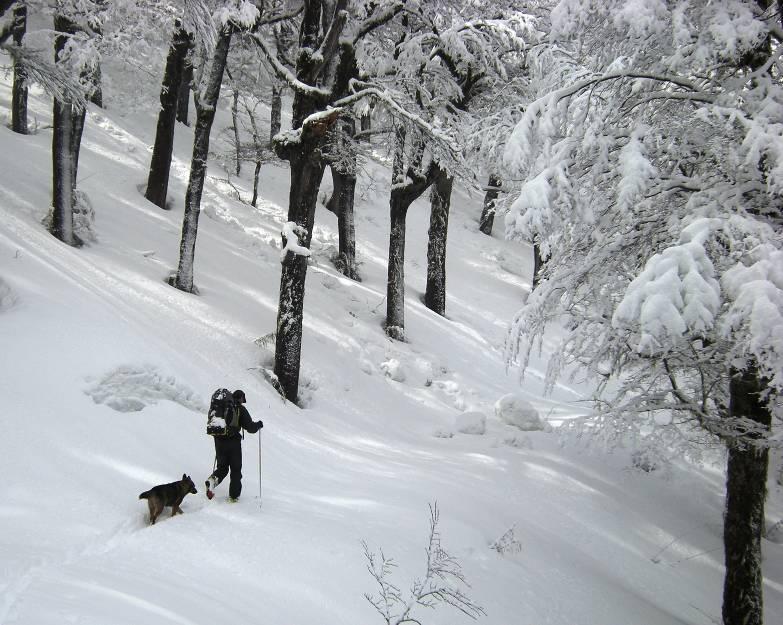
{"type": "Point", "coordinates": [228, 452]}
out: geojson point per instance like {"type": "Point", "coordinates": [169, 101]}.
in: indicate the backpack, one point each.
{"type": "Point", "coordinates": [223, 415]}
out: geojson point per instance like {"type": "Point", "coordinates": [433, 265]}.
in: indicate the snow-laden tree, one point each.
{"type": "Point", "coordinates": [329, 33]}
{"type": "Point", "coordinates": [450, 58]}
{"type": "Point", "coordinates": [654, 171]}
{"type": "Point", "coordinates": [228, 17]}
{"type": "Point", "coordinates": [160, 163]}
{"type": "Point", "coordinates": [19, 90]}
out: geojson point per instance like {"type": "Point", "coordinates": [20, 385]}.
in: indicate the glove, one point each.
{"type": "Point", "coordinates": [260, 424]}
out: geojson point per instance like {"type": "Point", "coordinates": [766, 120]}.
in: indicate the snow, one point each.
{"type": "Point", "coordinates": [107, 372]}
{"type": "Point", "coordinates": [471, 422]}
{"type": "Point", "coordinates": [517, 411]}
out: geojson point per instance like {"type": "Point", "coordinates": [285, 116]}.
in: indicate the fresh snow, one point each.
{"type": "Point", "coordinates": [107, 372]}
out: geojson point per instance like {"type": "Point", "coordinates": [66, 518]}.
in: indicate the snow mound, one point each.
{"type": "Point", "coordinates": [471, 423]}
{"type": "Point", "coordinates": [516, 411]}
{"type": "Point", "coordinates": [131, 388]}
{"type": "Point", "coordinates": [393, 369]}
{"type": "Point", "coordinates": [8, 298]}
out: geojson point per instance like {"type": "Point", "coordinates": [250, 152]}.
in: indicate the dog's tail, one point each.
{"type": "Point", "coordinates": [145, 494]}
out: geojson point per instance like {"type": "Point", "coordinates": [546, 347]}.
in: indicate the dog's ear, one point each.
{"type": "Point", "coordinates": [184, 477]}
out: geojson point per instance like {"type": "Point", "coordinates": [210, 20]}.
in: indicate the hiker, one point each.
{"type": "Point", "coordinates": [228, 448]}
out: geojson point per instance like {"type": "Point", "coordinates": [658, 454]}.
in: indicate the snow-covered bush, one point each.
{"type": "Point", "coordinates": [132, 388]}
{"type": "Point", "coordinates": [507, 544]}
{"type": "Point", "coordinates": [513, 409]}
{"type": "Point", "coordinates": [393, 370]}
{"type": "Point", "coordinates": [471, 423]}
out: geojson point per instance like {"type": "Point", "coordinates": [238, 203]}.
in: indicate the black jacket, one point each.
{"type": "Point", "coordinates": [245, 423]}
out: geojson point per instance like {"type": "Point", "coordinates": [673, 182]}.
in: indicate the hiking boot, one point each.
{"type": "Point", "coordinates": [209, 485]}
{"type": "Point", "coordinates": [233, 499]}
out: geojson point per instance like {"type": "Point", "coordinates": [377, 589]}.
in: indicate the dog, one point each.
{"type": "Point", "coordinates": [170, 494]}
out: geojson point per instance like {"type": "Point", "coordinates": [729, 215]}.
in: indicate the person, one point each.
{"type": "Point", "coordinates": [228, 450]}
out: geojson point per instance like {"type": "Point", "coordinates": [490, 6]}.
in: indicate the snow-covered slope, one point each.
{"type": "Point", "coordinates": [106, 372]}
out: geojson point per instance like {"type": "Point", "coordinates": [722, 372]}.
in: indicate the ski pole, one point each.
{"type": "Point", "coordinates": [259, 468]}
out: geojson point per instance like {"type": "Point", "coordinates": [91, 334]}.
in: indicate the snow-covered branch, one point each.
{"type": "Point", "coordinates": [291, 233]}
{"type": "Point", "coordinates": [287, 75]}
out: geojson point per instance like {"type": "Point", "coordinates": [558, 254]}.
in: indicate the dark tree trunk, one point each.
{"type": "Point", "coordinates": [62, 174]}
{"type": "Point", "coordinates": [78, 117]}
{"type": "Point", "coordinates": [490, 199]}
{"type": "Point", "coordinates": [341, 204]}
{"type": "Point", "coordinates": [538, 265]}
{"type": "Point", "coordinates": [746, 491]}
{"type": "Point", "coordinates": [255, 184]}
{"type": "Point", "coordinates": [342, 201]}
{"type": "Point", "coordinates": [395, 283]}
{"type": "Point", "coordinates": [235, 122]}
{"type": "Point", "coordinates": [205, 115]}
{"type": "Point", "coordinates": [403, 194]}
{"type": "Point", "coordinates": [160, 164]}
{"type": "Point", "coordinates": [183, 94]}
{"type": "Point", "coordinates": [19, 92]}
{"type": "Point", "coordinates": [62, 152]}
{"type": "Point", "coordinates": [277, 112]}
{"type": "Point", "coordinates": [435, 294]}
{"type": "Point", "coordinates": [306, 173]}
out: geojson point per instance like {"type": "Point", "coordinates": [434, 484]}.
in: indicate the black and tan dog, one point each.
{"type": "Point", "coordinates": [168, 495]}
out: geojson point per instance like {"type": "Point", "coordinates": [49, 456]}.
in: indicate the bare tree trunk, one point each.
{"type": "Point", "coordinates": [435, 294]}
{"type": "Point", "coordinates": [62, 152]}
{"type": "Point", "coordinates": [746, 490]}
{"type": "Point", "coordinates": [538, 264]}
{"type": "Point", "coordinates": [255, 184]}
{"type": "Point", "coordinates": [62, 174]}
{"type": "Point", "coordinates": [160, 164]}
{"type": "Point", "coordinates": [341, 203]}
{"type": "Point", "coordinates": [405, 191]}
{"type": "Point", "coordinates": [77, 130]}
{"type": "Point", "coordinates": [277, 112]}
{"type": "Point", "coordinates": [306, 174]}
{"type": "Point", "coordinates": [183, 95]}
{"type": "Point", "coordinates": [235, 122]}
{"type": "Point", "coordinates": [19, 91]}
{"type": "Point", "coordinates": [395, 283]}
{"type": "Point", "coordinates": [206, 106]}
{"type": "Point", "coordinates": [488, 211]}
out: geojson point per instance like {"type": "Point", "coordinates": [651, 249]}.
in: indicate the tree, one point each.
{"type": "Point", "coordinates": [75, 48]}
{"type": "Point", "coordinates": [328, 35]}
{"type": "Point", "coordinates": [19, 90]}
{"type": "Point", "coordinates": [160, 164]}
{"type": "Point", "coordinates": [664, 258]}
{"type": "Point", "coordinates": [441, 584]}
{"type": "Point", "coordinates": [206, 105]}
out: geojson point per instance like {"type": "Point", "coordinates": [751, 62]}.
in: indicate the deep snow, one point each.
{"type": "Point", "coordinates": [106, 373]}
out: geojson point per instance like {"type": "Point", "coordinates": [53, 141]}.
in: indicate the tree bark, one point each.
{"type": "Point", "coordinates": [538, 265]}
{"type": "Point", "coordinates": [405, 191]}
{"type": "Point", "coordinates": [19, 90]}
{"type": "Point", "coordinates": [183, 94]}
{"type": "Point", "coordinates": [205, 115]}
{"type": "Point", "coordinates": [746, 491]}
{"type": "Point", "coordinates": [235, 122]}
{"type": "Point", "coordinates": [255, 184]}
{"type": "Point", "coordinates": [307, 170]}
{"type": "Point", "coordinates": [435, 294]}
{"type": "Point", "coordinates": [160, 164]}
{"type": "Point", "coordinates": [490, 199]}
{"type": "Point", "coordinates": [63, 176]}
{"type": "Point", "coordinates": [78, 117]}
{"type": "Point", "coordinates": [395, 283]}
{"type": "Point", "coordinates": [277, 112]}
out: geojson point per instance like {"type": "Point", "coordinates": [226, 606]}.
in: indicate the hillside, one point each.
{"type": "Point", "coordinates": [106, 373]}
